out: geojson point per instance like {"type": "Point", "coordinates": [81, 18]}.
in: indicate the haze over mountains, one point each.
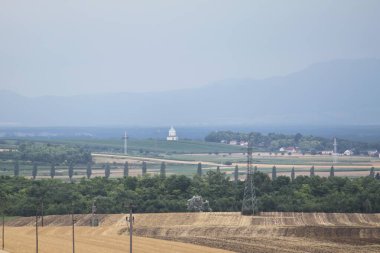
{"type": "Point", "coordinates": [341, 92]}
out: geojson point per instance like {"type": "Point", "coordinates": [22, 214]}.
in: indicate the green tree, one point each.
{"type": "Point", "coordinates": [16, 169]}
{"type": "Point", "coordinates": [144, 168]}
{"type": "Point", "coordinates": [332, 171]}
{"type": "Point", "coordinates": [107, 170]}
{"type": "Point", "coordinates": [34, 170]}
{"type": "Point", "coordinates": [3, 202]}
{"type": "Point", "coordinates": [71, 171]}
{"type": "Point", "coordinates": [304, 193]}
{"type": "Point", "coordinates": [372, 172]}
{"type": "Point", "coordinates": [312, 171]}
{"type": "Point", "coordinates": [367, 206]}
{"type": "Point", "coordinates": [52, 170]}
{"type": "Point", "coordinates": [274, 173]}
{"type": "Point", "coordinates": [126, 169]}
{"type": "Point", "coordinates": [236, 174]}
{"type": "Point", "coordinates": [199, 169]}
{"type": "Point", "coordinates": [89, 170]}
{"type": "Point", "coordinates": [297, 138]}
{"type": "Point", "coordinates": [218, 169]}
{"type": "Point", "coordinates": [293, 174]}
{"type": "Point", "coordinates": [163, 170]}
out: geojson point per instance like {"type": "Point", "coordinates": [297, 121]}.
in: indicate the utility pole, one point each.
{"type": "Point", "coordinates": [42, 213]}
{"type": "Point", "coordinates": [3, 200]}
{"type": "Point", "coordinates": [3, 233]}
{"type": "Point", "coordinates": [130, 220]}
{"type": "Point", "coordinates": [73, 223]}
{"type": "Point", "coordinates": [36, 232]}
{"type": "Point", "coordinates": [130, 229]}
{"type": "Point", "coordinates": [93, 211]}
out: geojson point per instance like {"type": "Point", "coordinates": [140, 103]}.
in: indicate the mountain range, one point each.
{"type": "Point", "coordinates": [339, 92]}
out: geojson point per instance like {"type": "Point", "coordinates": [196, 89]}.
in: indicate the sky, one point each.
{"type": "Point", "coordinates": [83, 47]}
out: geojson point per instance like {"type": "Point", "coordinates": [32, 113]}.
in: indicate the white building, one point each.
{"type": "Point", "coordinates": [233, 142]}
{"type": "Point", "coordinates": [172, 136]}
{"type": "Point", "coordinates": [289, 149]}
{"type": "Point", "coordinates": [327, 152]}
{"type": "Point", "coordinates": [373, 153]}
{"type": "Point", "coordinates": [244, 143]}
{"type": "Point", "coordinates": [348, 152]}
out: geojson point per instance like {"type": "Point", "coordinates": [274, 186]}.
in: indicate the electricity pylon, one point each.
{"type": "Point", "coordinates": [249, 206]}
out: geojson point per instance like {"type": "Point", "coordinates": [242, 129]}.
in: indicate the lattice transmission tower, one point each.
{"type": "Point", "coordinates": [125, 138]}
{"type": "Point", "coordinates": [335, 152]}
{"type": "Point", "coordinates": [249, 206]}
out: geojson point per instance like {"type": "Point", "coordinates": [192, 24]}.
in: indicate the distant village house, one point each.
{"type": "Point", "coordinates": [289, 149]}
{"type": "Point", "coordinates": [348, 152]}
{"type": "Point", "coordinates": [241, 143]}
{"type": "Point", "coordinates": [233, 142]}
{"type": "Point", "coordinates": [327, 152]}
{"type": "Point", "coordinates": [373, 153]}
{"type": "Point", "coordinates": [8, 149]}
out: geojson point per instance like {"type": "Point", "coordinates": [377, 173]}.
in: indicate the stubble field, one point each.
{"type": "Point", "coordinates": [53, 239]}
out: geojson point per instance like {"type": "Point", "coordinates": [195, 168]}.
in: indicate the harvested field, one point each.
{"type": "Point", "coordinates": [88, 240]}
{"type": "Point", "coordinates": [268, 233]}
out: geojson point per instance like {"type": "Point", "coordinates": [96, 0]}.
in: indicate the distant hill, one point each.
{"type": "Point", "coordinates": [337, 92]}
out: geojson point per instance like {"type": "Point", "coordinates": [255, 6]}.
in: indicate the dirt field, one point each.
{"type": "Point", "coordinates": [267, 233]}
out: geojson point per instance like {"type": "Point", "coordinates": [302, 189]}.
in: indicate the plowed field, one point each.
{"type": "Point", "coordinates": [267, 233]}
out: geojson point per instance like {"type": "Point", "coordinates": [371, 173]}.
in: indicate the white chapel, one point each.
{"type": "Point", "coordinates": [172, 136]}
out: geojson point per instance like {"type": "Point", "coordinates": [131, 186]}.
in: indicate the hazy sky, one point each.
{"type": "Point", "coordinates": [75, 47]}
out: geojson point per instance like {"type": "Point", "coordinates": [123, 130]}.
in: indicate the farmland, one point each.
{"type": "Point", "coordinates": [141, 146]}
{"type": "Point", "coordinates": [88, 240]}
{"type": "Point", "coordinates": [185, 164]}
{"type": "Point", "coordinates": [349, 190]}
{"type": "Point", "coordinates": [181, 158]}
{"type": "Point", "coordinates": [267, 233]}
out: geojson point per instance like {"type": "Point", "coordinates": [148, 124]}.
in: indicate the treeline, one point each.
{"type": "Point", "coordinates": [22, 197]}
{"type": "Point", "coordinates": [48, 153]}
{"type": "Point", "coordinates": [273, 142]}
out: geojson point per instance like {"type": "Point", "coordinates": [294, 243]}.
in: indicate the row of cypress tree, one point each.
{"type": "Point", "coordinates": [106, 167]}
{"type": "Point", "coordinates": [293, 173]}
{"type": "Point", "coordinates": [107, 170]}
